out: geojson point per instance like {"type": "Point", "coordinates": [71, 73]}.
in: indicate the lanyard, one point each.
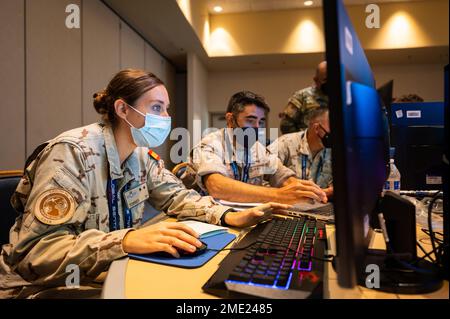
{"type": "Point", "coordinates": [304, 161]}
{"type": "Point", "coordinates": [319, 167]}
{"type": "Point", "coordinates": [113, 205]}
{"type": "Point", "coordinates": [245, 171]}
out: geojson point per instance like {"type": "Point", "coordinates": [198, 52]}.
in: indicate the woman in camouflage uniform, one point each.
{"type": "Point", "coordinates": [81, 199]}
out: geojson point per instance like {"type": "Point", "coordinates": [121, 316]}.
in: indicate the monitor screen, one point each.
{"type": "Point", "coordinates": [359, 143]}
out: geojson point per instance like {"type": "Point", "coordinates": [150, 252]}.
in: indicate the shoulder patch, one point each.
{"type": "Point", "coordinates": [54, 207]}
{"type": "Point", "coordinates": [153, 155]}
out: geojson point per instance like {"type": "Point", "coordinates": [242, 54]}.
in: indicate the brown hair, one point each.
{"type": "Point", "coordinates": [241, 99]}
{"type": "Point", "coordinates": [129, 85]}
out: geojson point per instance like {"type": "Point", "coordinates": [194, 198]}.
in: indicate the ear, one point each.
{"type": "Point", "coordinates": [230, 119]}
{"type": "Point", "coordinates": [315, 127]}
{"type": "Point", "coordinates": [121, 108]}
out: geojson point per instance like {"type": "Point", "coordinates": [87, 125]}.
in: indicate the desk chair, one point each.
{"type": "Point", "coordinates": [180, 171]}
{"type": "Point", "coordinates": [8, 184]}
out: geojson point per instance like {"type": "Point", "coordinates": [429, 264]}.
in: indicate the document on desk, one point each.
{"type": "Point", "coordinates": [205, 230]}
{"type": "Point", "coordinates": [238, 206]}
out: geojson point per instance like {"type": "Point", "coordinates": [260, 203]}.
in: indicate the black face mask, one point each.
{"type": "Point", "coordinates": [326, 139]}
{"type": "Point", "coordinates": [247, 139]}
{"type": "Point", "coordinates": [324, 88]}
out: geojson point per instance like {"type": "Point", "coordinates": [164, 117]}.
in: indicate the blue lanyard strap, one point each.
{"type": "Point", "coordinates": [127, 217]}
{"type": "Point", "coordinates": [304, 161]}
{"type": "Point", "coordinates": [113, 205]}
{"type": "Point", "coordinates": [245, 171]}
{"type": "Point", "coordinates": [320, 166]}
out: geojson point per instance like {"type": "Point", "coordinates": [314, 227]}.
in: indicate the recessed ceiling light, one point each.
{"type": "Point", "coordinates": [308, 3]}
{"type": "Point", "coordinates": [218, 9]}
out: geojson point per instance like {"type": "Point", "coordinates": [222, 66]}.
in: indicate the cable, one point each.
{"type": "Point", "coordinates": [425, 253]}
{"type": "Point", "coordinates": [390, 251]}
{"type": "Point", "coordinates": [430, 226]}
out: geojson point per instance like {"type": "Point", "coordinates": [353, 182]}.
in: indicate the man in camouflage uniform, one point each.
{"type": "Point", "coordinates": [301, 102]}
{"type": "Point", "coordinates": [218, 163]}
{"type": "Point", "coordinates": [307, 152]}
{"type": "Point", "coordinates": [64, 214]}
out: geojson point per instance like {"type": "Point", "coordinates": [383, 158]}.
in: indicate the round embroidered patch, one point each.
{"type": "Point", "coordinates": [54, 207]}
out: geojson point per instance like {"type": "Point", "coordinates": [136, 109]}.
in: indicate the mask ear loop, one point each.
{"type": "Point", "coordinates": [321, 126]}
{"type": "Point", "coordinates": [134, 109]}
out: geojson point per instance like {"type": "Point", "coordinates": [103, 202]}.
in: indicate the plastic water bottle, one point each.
{"type": "Point", "coordinates": [393, 182]}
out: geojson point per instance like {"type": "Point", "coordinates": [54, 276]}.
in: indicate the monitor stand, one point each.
{"type": "Point", "coordinates": [395, 276]}
{"type": "Point", "coordinates": [400, 270]}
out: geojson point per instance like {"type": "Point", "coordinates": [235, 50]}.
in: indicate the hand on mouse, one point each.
{"type": "Point", "coordinates": [163, 236]}
{"type": "Point", "coordinates": [254, 215]}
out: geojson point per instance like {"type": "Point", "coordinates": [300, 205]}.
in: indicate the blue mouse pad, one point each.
{"type": "Point", "coordinates": [219, 241]}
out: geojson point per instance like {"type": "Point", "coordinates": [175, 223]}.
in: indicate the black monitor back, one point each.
{"type": "Point", "coordinates": [417, 133]}
{"type": "Point", "coordinates": [358, 141]}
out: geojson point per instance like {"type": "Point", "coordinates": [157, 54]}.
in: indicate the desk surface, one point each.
{"type": "Point", "coordinates": [128, 278]}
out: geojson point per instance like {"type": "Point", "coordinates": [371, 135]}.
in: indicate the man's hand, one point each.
{"type": "Point", "coordinates": [161, 237]}
{"type": "Point", "coordinates": [254, 215]}
{"type": "Point", "coordinates": [296, 190]}
{"type": "Point", "coordinates": [329, 191]}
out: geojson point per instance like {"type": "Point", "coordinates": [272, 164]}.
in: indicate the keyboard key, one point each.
{"type": "Point", "coordinates": [282, 281]}
{"type": "Point", "coordinates": [237, 276]}
{"type": "Point", "coordinates": [265, 280]}
{"type": "Point", "coordinates": [304, 264]}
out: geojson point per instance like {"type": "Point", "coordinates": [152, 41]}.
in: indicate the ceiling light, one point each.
{"type": "Point", "coordinates": [218, 9]}
{"type": "Point", "coordinates": [308, 3]}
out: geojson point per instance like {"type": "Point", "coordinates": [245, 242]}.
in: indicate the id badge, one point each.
{"type": "Point", "coordinates": [136, 195]}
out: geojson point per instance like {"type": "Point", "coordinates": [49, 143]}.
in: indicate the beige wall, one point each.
{"type": "Point", "coordinates": [301, 31]}
{"type": "Point", "coordinates": [50, 72]}
{"type": "Point", "coordinates": [277, 85]}
{"type": "Point", "coordinates": [12, 83]}
{"type": "Point", "coordinates": [197, 97]}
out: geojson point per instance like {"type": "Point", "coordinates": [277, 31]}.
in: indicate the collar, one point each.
{"type": "Point", "coordinates": [256, 152]}
{"type": "Point", "coordinates": [304, 145]}
{"type": "Point", "coordinates": [112, 153]}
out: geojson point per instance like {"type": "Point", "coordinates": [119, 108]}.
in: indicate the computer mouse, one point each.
{"type": "Point", "coordinates": [183, 253]}
{"type": "Point", "coordinates": [200, 250]}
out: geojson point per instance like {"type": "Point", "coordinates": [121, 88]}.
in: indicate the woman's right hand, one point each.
{"type": "Point", "coordinates": [165, 236]}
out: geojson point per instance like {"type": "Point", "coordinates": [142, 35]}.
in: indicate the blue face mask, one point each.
{"type": "Point", "coordinates": [154, 132]}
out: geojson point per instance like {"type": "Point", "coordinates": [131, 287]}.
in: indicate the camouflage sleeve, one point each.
{"type": "Point", "coordinates": [281, 175]}
{"type": "Point", "coordinates": [297, 99]}
{"type": "Point", "coordinates": [167, 193]}
{"type": "Point", "coordinates": [206, 160]}
{"type": "Point", "coordinates": [276, 172]}
{"type": "Point", "coordinates": [280, 148]}
{"type": "Point", "coordinates": [292, 117]}
{"type": "Point", "coordinates": [50, 234]}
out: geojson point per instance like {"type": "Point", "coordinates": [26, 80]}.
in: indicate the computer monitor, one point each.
{"type": "Point", "coordinates": [446, 169]}
{"type": "Point", "coordinates": [417, 132]}
{"type": "Point", "coordinates": [359, 148]}
{"type": "Point", "coordinates": [358, 137]}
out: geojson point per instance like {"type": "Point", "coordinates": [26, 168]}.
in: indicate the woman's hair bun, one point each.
{"type": "Point", "coordinates": [101, 102]}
